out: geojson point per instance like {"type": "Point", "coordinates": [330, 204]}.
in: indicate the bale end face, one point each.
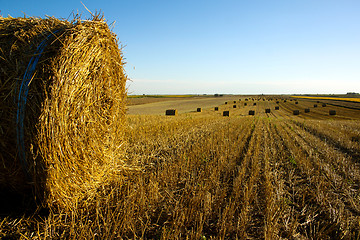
{"type": "Point", "coordinates": [74, 116]}
{"type": "Point", "coordinates": [171, 112]}
{"type": "Point", "coordinates": [332, 112]}
{"type": "Point", "coordinates": [226, 113]}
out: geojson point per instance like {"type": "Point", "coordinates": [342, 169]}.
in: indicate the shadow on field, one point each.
{"type": "Point", "coordinates": [17, 204]}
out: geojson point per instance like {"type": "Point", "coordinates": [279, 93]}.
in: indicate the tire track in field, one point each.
{"type": "Point", "coordinates": [305, 211]}
{"type": "Point", "coordinates": [335, 167]}
{"type": "Point", "coordinates": [336, 212]}
{"type": "Point", "coordinates": [355, 156]}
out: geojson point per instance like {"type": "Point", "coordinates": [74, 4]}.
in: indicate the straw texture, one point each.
{"type": "Point", "coordinates": [73, 114]}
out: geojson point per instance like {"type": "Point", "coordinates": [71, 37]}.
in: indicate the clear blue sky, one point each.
{"type": "Point", "coordinates": [228, 46]}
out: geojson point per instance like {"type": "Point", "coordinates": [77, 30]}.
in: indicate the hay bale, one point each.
{"type": "Point", "coordinates": [226, 102]}
{"type": "Point", "coordinates": [199, 110]}
{"type": "Point", "coordinates": [63, 109]}
{"type": "Point", "coordinates": [307, 110]}
{"type": "Point", "coordinates": [254, 103]}
{"type": "Point", "coordinates": [267, 110]}
{"type": "Point", "coordinates": [296, 102]}
{"type": "Point", "coordinates": [276, 107]}
{"type": "Point", "coordinates": [315, 105]}
{"type": "Point", "coordinates": [324, 105]}
{"type": "Point", "coordinates": [234, 106]}
{"type": "Point", "coordinates": [226, 113]}
{"type": "Point", "coordinates": [245, 104]}
{"type": "Point", "coordinates": [251, 112]}
{"type": "Point", "coordinates": [216, 108]}
{"type": "Point", "coordinates": [296, 112]}
{"type": "Point", "coordinates": [277, 102]}
{"type": "Point", "coordinates": [171, 112]}
{"type": "Point", "coordinates": [234, 101]}
{"type": "Point", "coordinates": [332, 112]}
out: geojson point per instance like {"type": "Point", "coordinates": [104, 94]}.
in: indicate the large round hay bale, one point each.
{"type": "Point", "coordinates": [216, 108]}
{"type": "Point", "coordinates": [267, 110]}
{"type": "Point", "coordinates": [276, 107]}
{"type": "Point", "coordinates": [234, 106]}
{"type": "Point", "coordinates": [199, 109]}
{"type": "Point", "coordinates": [296, 112]}
{"type": "Point", "coordinates": [332, 112]}
{"type": "Point", "coordinates": [226, 113]}
{"type": "Point", "coordinates": [307, 110]}
{"type": "Point", "coordinates": [62, 107]}
{"type": "Point", "coordinates": [251, 112]}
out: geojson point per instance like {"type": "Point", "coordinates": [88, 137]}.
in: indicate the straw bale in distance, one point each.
{"type": "Point", "coordinates": [199, 110]}
{"type": "Point", "coordinates": [216, 108]}
{"type": "Point", "coordinates": [324, 105]}
{"type": "Point", "coordinates": [70, 136]}
{"type": "Point", "coordinates": [226, 113]}
{"type": "Point", "coordinates": [245, 104]}
{"type": "Point", "coordinates": [234, 101]}
{"type": "Point", "coordinates": [254, 103]}
{"type": "Point", "coordinates": [267, 110]}
{"type": "Point", "coordinates": [226, 102]}
{"type": "Point", "coordinates": [276, 107]}
{"type": "Point", "coordinates": [234, 106]}
{"type": "Point", "coordinates": [315, 105]}
{"type": "Point", "coordinates": [251, 112]}
{"type": "Point", "coordinates": [296, 112]}
{"type": "Point", "coordinates": [296, 102]}
{"type": "Point", "coordinates": [171, 112]}
{"type": "Point", "coordinates": [332, 112]}
{"type": "Point", "coordinates": [307, 110]}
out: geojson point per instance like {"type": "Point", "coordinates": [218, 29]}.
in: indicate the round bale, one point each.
{"type": "Point", "coordinates": [226, 113]}
{"type": "Point", "coordinates": [171, 112]}
{"type": "Point", "coordinates": [251, 112]}
{"type": "Point", "coordinates": [63, 108]}
{"type": "Point", "coordinates": [332, 112]}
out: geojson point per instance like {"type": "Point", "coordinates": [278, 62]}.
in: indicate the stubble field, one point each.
{"type": "Point", "coordinates": [200, 175]}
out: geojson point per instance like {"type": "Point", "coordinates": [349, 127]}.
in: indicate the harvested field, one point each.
{"type": "Point", "coordinates": [204, 176]}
